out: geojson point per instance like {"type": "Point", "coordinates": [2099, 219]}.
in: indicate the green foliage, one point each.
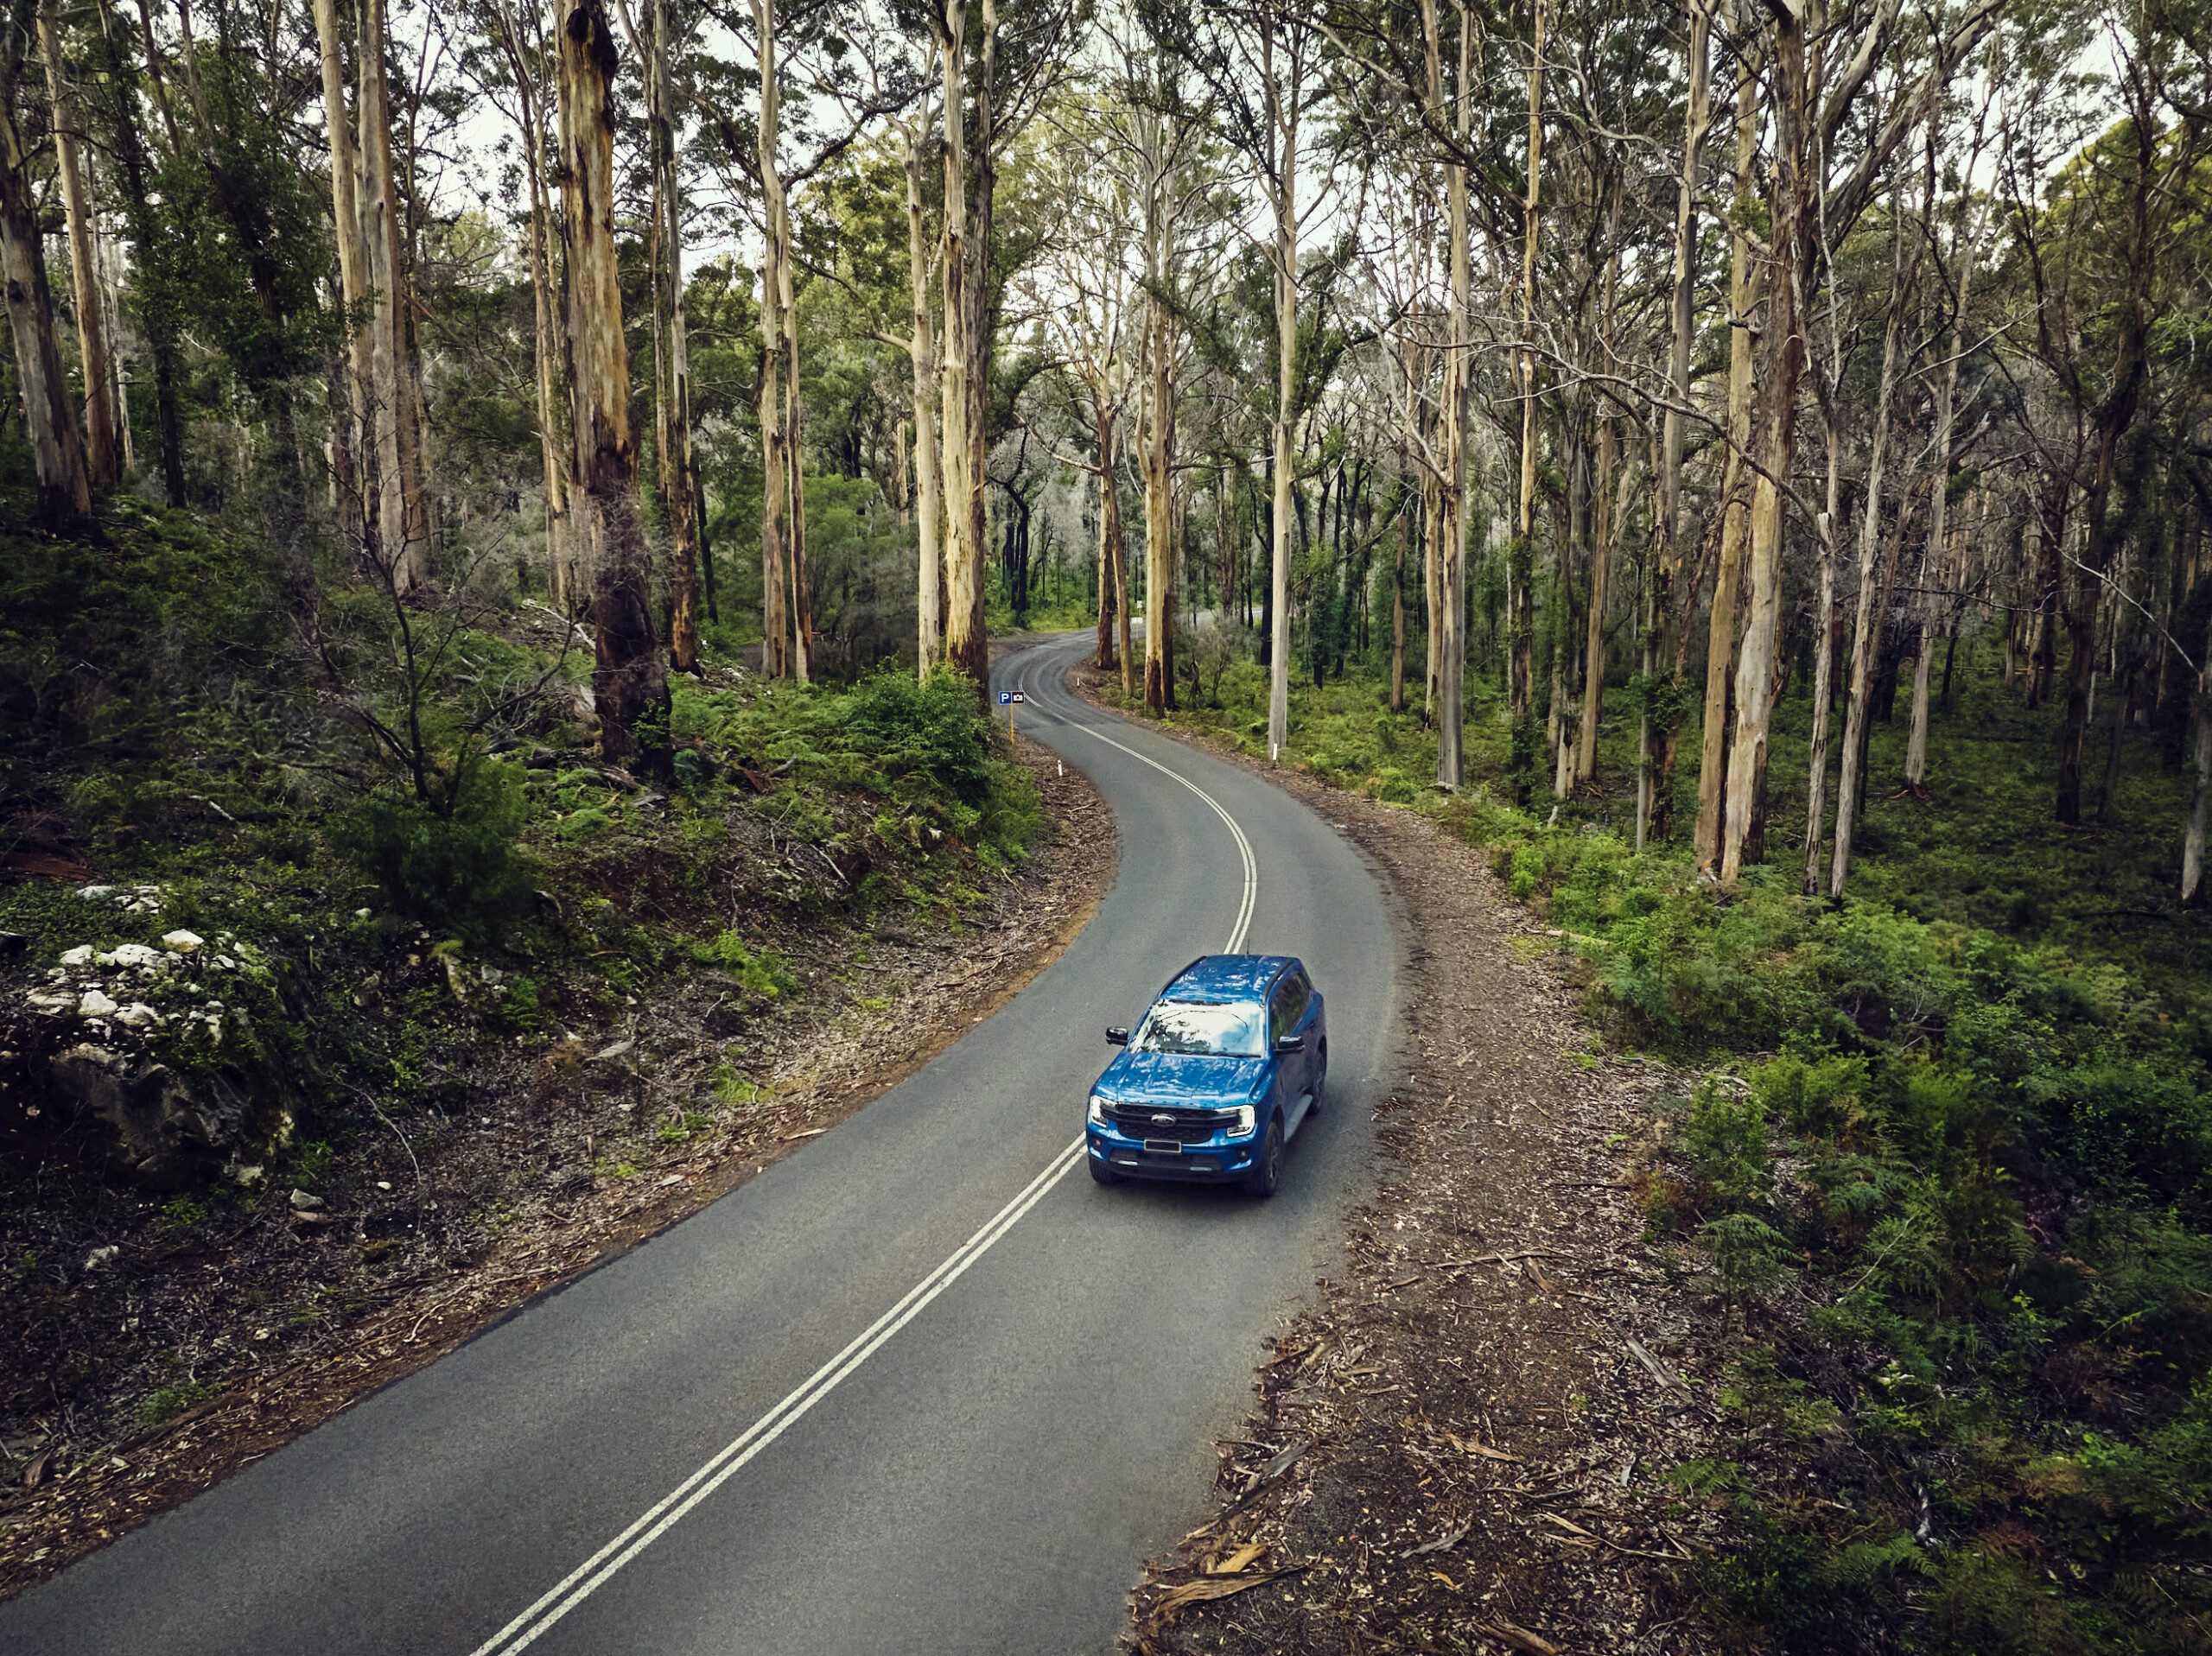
{"type": "Point", "coordinates": [166, 1403]}
{"type": "Point", "coordinates": [1726, 1139]}
{"type": "Point", "coordinates": [461, 872]}
{"type": "Point", "coordinates": [758, 971]}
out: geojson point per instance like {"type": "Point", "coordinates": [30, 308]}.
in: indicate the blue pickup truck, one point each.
{"type": "Point", "coordinates": [1223, 1068]}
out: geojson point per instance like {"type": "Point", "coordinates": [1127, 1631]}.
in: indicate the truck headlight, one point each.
{"type": "Point", "coordinates": [1099, 1111]}
{"type": "Point", "coordinates": [1245, 1118]}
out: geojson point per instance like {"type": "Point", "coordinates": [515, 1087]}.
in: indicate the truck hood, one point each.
{"type": "Point", "coordinates": [1181, 1080]}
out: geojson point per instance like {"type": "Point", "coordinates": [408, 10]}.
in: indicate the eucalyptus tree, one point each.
{"type": "Point", "coordinates": [57, 442]}
{"type": "Point", "coordinates": [1264, 65]}
{"type": "Point", "coordinates": [629, 676]}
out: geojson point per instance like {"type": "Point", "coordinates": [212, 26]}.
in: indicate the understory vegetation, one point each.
{"type": "Point", "coordinates": [348, 875]}
{"type": "Point", "coordinates": [1946, 1169]}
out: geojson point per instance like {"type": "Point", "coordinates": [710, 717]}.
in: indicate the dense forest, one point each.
{"type": "Point", "coordinates": [1749, 464]}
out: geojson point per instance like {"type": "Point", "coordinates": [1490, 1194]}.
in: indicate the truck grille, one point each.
{"type": "Point", "coordinates": [1182, 1126]}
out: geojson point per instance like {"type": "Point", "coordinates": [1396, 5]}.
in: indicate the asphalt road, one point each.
{"type": "Point", "coordinates": [919, 1387]}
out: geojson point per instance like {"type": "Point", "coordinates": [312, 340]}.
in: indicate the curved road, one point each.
{"type": "Point", "coordinates": [919, 1387]}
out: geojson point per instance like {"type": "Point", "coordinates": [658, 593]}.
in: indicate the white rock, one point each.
{"type": "Point", "coordinates": [94, 1004]}
{"type": "Point", "coordinates": [138, 1015]}
{"type": "Point", "coordinates": [224, 963]}
{"type": "Point", "coordinates": [248, 1177]}
{"type": "Point", "coordinates": [102, 1256]}
{"type": "Point", "coordinates": [181, 942]}
{"type": "Point", "coordinates": [304, 1201]}
{"type": "Point", "coordinates": [51, 1004]}
{"type": "Point", "coordinates": [140, 955]}
{"type": "Point", "coordinates": [96, 891]}
{"type": "Point", "coordinates": [80, 955]}
{"type": "Point", "coordinates": [364, 914]}
{"type": "Point", "coordinates": [384, 1184]}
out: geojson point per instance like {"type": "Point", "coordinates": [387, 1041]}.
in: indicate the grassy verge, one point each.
{"type": "Point", "coordinates": [1949, 1158]}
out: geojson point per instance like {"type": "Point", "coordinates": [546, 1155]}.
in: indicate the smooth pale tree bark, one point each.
{"type": "Point", "coordinates": [1109, 656]}
{"type": "Point", "coordinates": [395, 396]}
{"type": "Point", "coordinates": [921, 344]}
{"type": "Point", "coordinates": [1940, 442]}
{"type": "Point", "coordinates": [552, 440]}
{"type": "Point", "coordinates": [1816, 754]}
{"type": "Point", "coordinates": [1809, 108]}
{"type": "Point", "coordinates": [132, 167]}
{"type": "Point", "coordinates": [358, 487]}
{"type": "Point", "coordinates": [1451, 426]}
{"type": "Point", "coordinates": [1865, 639]}
{"type": "Point", "coordinates": [2200, 811]}
{"type": "Point", "coordinates": [964, 644]}
{"type": "Point", "coordinates": [103, 429]}
{"type": "Point", "coordinates": [778, 654]}
{"type": "Point", "coordinates": [57, 446]}
{"type": "Point", "coordinates": [1728, 571]}
{"type": "Point", "coordinates": [1282, 119]}
{"type": "Point", "coordinates": [629, 673]}
{"type": "Point", "coordinates": [1697, 120]}
{"type": "Point", "coordinates": [1155, 157]}
{"type": "Point", "coordinates": [1521, 670]}
{"type": "Point", "coordinates": [1608, 528]}
{"type": "Point", "coordinates": [679, 483]}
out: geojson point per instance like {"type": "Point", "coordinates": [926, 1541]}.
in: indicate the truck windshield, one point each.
{"type": "Point", "coordinates": [1210, 1028]}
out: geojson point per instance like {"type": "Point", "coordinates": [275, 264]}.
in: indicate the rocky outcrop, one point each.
{"type": "Point", "coordinates": [152, 1058]}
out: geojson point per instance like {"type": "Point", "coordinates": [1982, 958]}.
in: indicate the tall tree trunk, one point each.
{"type": "Point", "coordinates": [1452, 434]}
{"type": "Point", "coordinates": [1522, 662]}
{"type": "Point", "coordinates": [1816, 746]}
{"type": "Point", "coordinates": [57, 444]}
{"type": "Point", "coordinates": [1109, 656]}
{"type": "Point", "coordinates": [1866, 624]}
{"type": "Point", "coordinates": [355, 438]}
{"type": "Point", "coordinates": [629, 676]}
{"type": "Point", "coordinates": [1160, 413]}
{"type": "Point", "coordinates": [675, 396]}
{"type": "Point", "coordinates": [1668, 528]}
{"type": "Point", "coordinates": [1728, 573]}
{"type": "Point", "coordinates": [154, 311]}
{"type": "Point", "coordinates": [965, 645]}
{"type": "Point", "coordinates": [929, 454]}
{"type": "Point", "coordinates": [103, 433]}
{"type": "Point", "coordinates": [395, 394]}
{"type": "Point", "coordinates": [552, 433]}
{"type": "Point", "coordinates": [2200, 810]}
{"type": "Point", "coordinates": [1282, 142]}
{"type": "Point", "coordinates": [1601, 563]}
{"type": "Point", "coordinates": [776, 647]}
{"type": "Point", "coordinates": [794, 456]}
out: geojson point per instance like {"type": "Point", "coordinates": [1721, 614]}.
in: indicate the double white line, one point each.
{"type": "Point", "coordinates": [657, 1521]}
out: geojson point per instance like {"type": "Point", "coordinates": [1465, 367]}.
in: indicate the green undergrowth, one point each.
{"type": "Point", "coordinates": [187, 713]}
{"type": "Point", "coordinates": [1948, 1161]}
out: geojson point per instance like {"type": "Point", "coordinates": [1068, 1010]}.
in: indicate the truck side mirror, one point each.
{"type": "Point", "coordinates": [1116, 1036]}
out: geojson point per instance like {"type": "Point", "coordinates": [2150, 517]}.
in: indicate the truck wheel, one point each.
{"type": "Point", "coordinates": [1266, 1171]}
{"type": "Point", "coordinates": [1100, 1173]}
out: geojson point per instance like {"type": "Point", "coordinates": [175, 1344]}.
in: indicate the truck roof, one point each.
{"type": "Point", "coordinates": [1227, 977]}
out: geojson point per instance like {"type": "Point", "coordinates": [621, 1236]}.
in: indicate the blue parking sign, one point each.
{"type": "Point", "coordinates": [1005, 696]}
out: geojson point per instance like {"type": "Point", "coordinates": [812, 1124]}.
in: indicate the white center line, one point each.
{"type": "Point", "coordinates": [655, 1521]}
